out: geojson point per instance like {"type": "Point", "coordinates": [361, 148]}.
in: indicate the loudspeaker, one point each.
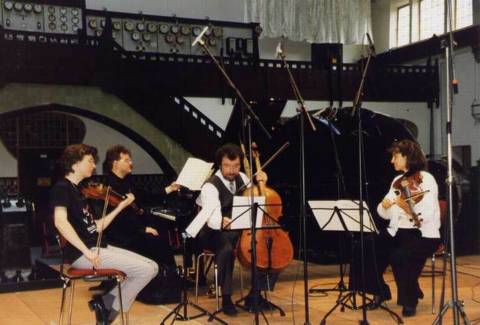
{"type": "Point", "coordinates": [15, 240]}
{"type": "Point", "coordinates": [325, 54]}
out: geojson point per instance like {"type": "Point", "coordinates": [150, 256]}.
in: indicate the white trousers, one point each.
{"type": "Point", "coordinates": [139, 272]}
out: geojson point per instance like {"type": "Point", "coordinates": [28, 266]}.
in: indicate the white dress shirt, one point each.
{"type": "Point", "coordinates": [427, 208]}
{"type": "Point", "coordinates": [209, 200]}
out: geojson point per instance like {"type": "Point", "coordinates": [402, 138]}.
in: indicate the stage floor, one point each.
{"type": "Point", "coordinates": [42, 307]}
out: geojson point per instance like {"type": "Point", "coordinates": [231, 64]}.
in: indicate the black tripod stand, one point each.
{"type": "Point", "coordinates": [184, 303]}
{"type": "Point", "coordinates": [451, 84]}
{"type": "Point", "coordinates": [344, 216]}
{"type": "Point", "coordinates": [340, 286]}
{"type": "Point", "coordinates": [302, 114]}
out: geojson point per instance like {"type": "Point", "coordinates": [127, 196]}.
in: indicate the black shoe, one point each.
{"type": "Point", "coordinates": [420, 293]}
{"type": "Point", "coordinates": [409, 311]}
{"type": "Point", "coordinates": [376, 302]}
{"type": "Point", "coordinates": [228, 307]}
{"type": "Point", "coordinates": [101, 312]}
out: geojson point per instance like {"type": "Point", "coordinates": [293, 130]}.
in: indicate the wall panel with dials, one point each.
{"type": "Point", "coordinates": [41, 17]}
{"type": "Point", "coordinates": [169, 35]}
{"type": "Point", "coordinates": [40, 20]}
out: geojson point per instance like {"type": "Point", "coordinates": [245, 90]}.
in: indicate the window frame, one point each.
{"type": "Point", "coordinates": [415, 5]}
{"type": "Point", "coordinates": [409, 24]}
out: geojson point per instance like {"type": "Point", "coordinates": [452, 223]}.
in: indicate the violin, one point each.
{"type": "Point", "coordinates": [98, 191]}
{"type": "Point", "coordinates": [408, 187]}
{"type": "Point", "coordinates": [274, 247]}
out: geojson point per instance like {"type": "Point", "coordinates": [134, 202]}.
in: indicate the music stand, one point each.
{"type": "Point", "coordinates": [327, 207]}
{"type": "Point", "coordinates": [344, 215]}
{"type": "Point", "coordinates": [244, 216]}
{"type": "Point", "coordinates": [325, 212]}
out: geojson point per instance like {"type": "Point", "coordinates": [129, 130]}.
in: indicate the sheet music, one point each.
{"type": "Point", "coordinates": [243, 222]}
{"type": "Point", "coordinates": [194, 173]}
{"type": "Point", "coordinates": [241, 215]}
{"type": "Point", "coordinates": [198, 222]}
{"type": "Point", "coordinates": [349, 210]}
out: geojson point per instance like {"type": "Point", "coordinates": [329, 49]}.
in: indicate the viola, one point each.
{"type": "Point", "coordinates": [274, 247]}
{"type": "Point", "coordinates": [408, 187]}
{"type": "Point", "coordinates": [98, 191]}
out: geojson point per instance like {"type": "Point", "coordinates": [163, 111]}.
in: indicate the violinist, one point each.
{"type": "Point", "coordinates": [142, 233]}
{"type": "Point", "coordinates": [75, 221]}
{"type": "Point", "coordinates": [216, 199]}
{"type": "Point", "coordinates": [411, 206]}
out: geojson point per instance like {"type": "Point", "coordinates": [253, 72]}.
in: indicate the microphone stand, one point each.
{"type": "Point", "coordinates": [253, 206]}
{"type": "Point", "coordinates": [302, 114]}
{"type": "Point", "coordinates": [451, 84]}
{"type": "Point", "coordinates": [357, 109]}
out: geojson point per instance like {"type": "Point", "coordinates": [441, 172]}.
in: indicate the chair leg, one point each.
{"type": "Point", "coordinates": [62, 303]}
{"type": "Point", "coordinates": [197, 271]}
{"type": "Point", "coordinates": [433, 283]}
{"type": "Point", "coordinates": [119, 286]}
{"type": "Point", "coordinates": [70, 309]}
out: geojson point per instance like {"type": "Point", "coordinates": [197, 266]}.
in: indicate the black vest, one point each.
{"type": "Point", "coordinates": [225, 196]}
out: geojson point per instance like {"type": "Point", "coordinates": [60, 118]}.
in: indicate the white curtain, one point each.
{"type": "Point", "coordinates": [316, 21]}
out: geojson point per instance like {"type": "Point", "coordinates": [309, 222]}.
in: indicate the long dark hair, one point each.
{"type": "Point", "coordinates": [416, 160]}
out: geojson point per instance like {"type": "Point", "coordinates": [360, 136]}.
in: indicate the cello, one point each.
{"type": "Point", "coordinates": [274, 248]}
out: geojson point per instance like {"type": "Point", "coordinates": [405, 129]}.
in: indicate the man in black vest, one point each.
{"type": "Point", "coordinates": [216, 199]}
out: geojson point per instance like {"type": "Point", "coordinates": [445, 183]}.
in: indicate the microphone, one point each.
{"type": "Point", "coordinates": [279, 49]}
{"type": "Point", "coordinates": [371, 46]}
{"type": "Point", "coordinates": [199, 37]}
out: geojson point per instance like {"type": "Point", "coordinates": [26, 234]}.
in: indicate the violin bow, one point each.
{"type": "Point", "coordinates": [414, 196]}
{"type": "Point", "coordinates": [104, 212]}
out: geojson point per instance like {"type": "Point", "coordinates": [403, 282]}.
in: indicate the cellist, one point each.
{"type": "Point", "coordinates": [216, 199]}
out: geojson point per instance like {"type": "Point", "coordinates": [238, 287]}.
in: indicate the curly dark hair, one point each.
{"type": "Point", "coordinates": [229, 150]}
{"type": "Point", "coordinates": [416, 160]}
{"type": "Point", "coordinates": [113, 154]}
{"type": "Point", "coordinates": [75, 153]}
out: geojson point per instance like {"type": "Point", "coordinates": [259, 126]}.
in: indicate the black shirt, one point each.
{"type": "Point", "coordinates": [66, 194]}
{"type": "Point", "coordinates": [127, 225]}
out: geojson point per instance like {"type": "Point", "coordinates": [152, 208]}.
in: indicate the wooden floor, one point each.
{"type": "Point", "coordinates": [41, 307]}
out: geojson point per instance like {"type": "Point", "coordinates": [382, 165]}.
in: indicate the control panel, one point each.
{"type": "Point", "coordinates": [48, 20]}
{"type": "Point", "coordinates": [40, 17]}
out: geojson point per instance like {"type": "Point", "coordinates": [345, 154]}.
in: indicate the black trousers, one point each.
{"type": "Point", "coordinates": [223, 244]}
{"type": "Point", "coordinates": [153, 247]}
{"type": "Point", "coordinates": [406, 252]}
